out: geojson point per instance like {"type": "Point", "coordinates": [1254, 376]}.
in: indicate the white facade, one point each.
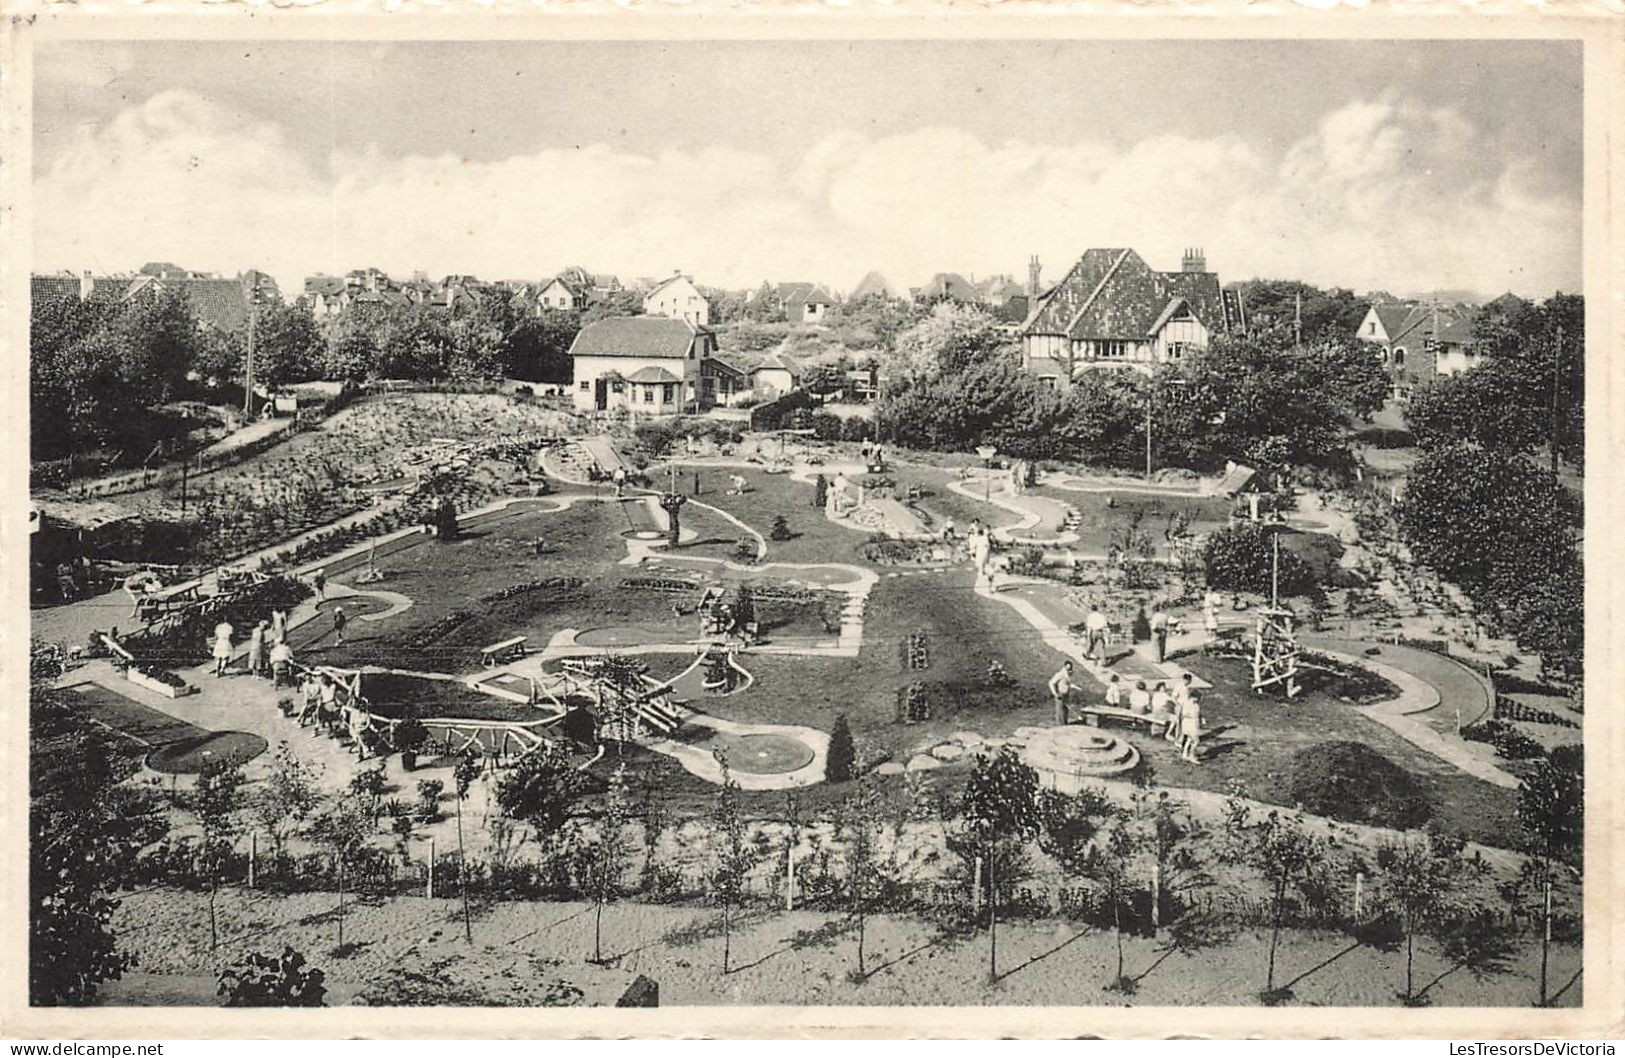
{"type": "Point", "coordinates": [557, 296]}
{"type": "Point", "coordinates": [678, 299]}
{"type": "Point", "coordinates": [773, 382]}
{"type": "Point", "coordinates": [605, 383]}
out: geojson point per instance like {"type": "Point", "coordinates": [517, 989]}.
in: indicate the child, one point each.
{"type": "Point", "coordinates": [1190, 730]}
{"type": "Point", "coordinates": [318, 580]}
{"type": "Point", "coordinates": [312, 689]}
{"type": "Point", "coordinates": [1114, 692]}
{"type": "Point", "coordinates": [339, 621]}
{"type": "Point", "coordinates": [222, 648]}
{"type": "Point", "coordinates": [1139, 699]}
{"type": "Point", "coordinates": [281, 659]}
{"type": "Point", "coordinates": [1162, 706]}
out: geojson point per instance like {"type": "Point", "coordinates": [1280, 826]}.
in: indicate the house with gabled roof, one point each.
{"type": "Point", "coordinates": [1112, 309]}
{"type": "Point", "coordinates": [677, 298]}
{"type": "Point", "coordinates": [559, 296]}
{"type": "Point", "coordinates": [775, 376]}
{"type": "Point", "coordinates": [644, 365]}
{"type": "Point", "coordinates": [1417, 342]}
{"type": "Point", "coordinates": [723, 381]}
{"type": "Point", "coordinates": [806, 302]}
{"type": "Point", "coordinates": [877, 284]}
{"type": "Point", "coordinates": [949, 285]}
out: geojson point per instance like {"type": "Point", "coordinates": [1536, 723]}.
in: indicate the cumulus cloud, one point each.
{"type": "Point", "coordinates": [1383, 194]}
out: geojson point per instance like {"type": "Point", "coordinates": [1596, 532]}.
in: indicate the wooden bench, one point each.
{"type": "Point", "coordinates": [507, 650]}
{"type": "Point", "coordinates": [1094, 714]}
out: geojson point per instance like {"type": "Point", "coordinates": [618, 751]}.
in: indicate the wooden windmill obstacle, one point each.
{"type": "Point", "coordinates": [1275, 642]}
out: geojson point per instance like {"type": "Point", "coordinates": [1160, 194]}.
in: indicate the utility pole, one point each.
{"type": "Point", "coordinates": [1150, 394]}
{"type": "Point", "coordinates": [1557, 386]}
{"type": "Point", "coordinates": [1297, 319]}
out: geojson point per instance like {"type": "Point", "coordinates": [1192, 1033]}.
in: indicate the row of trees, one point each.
{"type": "Point", "coordinates": [1479, 506]}
{"type": "Point", "coordinates": [1258, 398]}
{"type": "Point", "coordinates": [101, 369]}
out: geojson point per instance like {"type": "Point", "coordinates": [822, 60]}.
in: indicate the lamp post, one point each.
{"type": "Point", "coordinates": [671, 503]}
{"type": "Point", "coordinates": [987, 452]}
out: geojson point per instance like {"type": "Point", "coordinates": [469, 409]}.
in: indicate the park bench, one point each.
{"type": "Point", "coordinates": [507, 650]}
{"type": "Point", "coordinates": [1094, 714]}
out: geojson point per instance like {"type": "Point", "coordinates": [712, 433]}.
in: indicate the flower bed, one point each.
{"type": "Point", "coordinates": [916, 653]}
{"type": "Point", "coordinates": [562, 584]}
{"type": "Point", "coordinates": [671, 585]}
{"type": "Point", "coordinates": [1512, 709]}
{"type": "Point", "coordinates": [157, 679]}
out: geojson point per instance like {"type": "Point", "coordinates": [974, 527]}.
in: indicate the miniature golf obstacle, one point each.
{"type": "Point", "coordinates": [1059, 752]}
{"type": "Point", "coordinates": [1275, 643]}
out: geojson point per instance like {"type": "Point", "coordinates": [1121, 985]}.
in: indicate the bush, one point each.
{"type": "Point", "coordinates": [841, 764]}
{"type": "Point", "coordinates": [780, 530]}
{"type": "Point", "coordinates": [1507, 740]}
{"type": "Point", "coordinates": [1351, 782]}
{"type": "Point", "coordinates": [272, 981]}
{"type": "Point", "coordinates": [1238, 558]}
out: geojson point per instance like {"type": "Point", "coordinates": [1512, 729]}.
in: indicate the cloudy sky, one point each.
{"type": "Point", "coordinates": [1403, 166]}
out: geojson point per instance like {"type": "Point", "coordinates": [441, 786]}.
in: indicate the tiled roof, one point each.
{"type": "Point", "coordinates": [656, 336]}
{"type": "Point", "coordinates": [1114, 294]}
{"type": "Point", "coordinates": [326, 285]}
{"type": "Point", "coordinates": [789, 292]}
{"type": "Point", "coordinates": [652, 375]}
{"type": "Point", "coordinates": [949, 284]}
{"type": "Point", "coordinates": [777, 362]}
{"type": "Point", "coordinates": [723, 365]}
{"type": "Point", "coordinates": [61, 287]}
{"type": "Point", "coordinates": [218, 303]}
{"type": "Point", "coordinates": [664, 283]}
{"type": "Point", "coordinates": [1392, 316]}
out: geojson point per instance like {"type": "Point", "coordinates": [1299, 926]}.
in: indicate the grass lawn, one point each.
{"type": "Point", "coordinates": [1254, 739]}
{"type": "Point", "coordinates": [963, 633]}
{"type": "Point", "coordinates": [1099, 520]}
{"type": "Point", "coordinates": [814, 537]}
{"type": "Point", "coordinates": [446, 580]}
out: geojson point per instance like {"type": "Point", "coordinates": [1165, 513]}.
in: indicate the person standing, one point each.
{"type": "Point", "coordinates": [1210, 615]}
{"type": "Point", "coordinates": [1190, 729]}
{"type": "Point", "coordinates": [222, 647]}
{"type": "Point", "coordinates": [281, 663]}
{"type": "Point", "coordinates": [1159, 632]}
{"type": "Point", "coordinates": [1095, 627]}
{"type": "Point", "coordinates": [619, 478]}
{"type": "Point", "coordinates": [279, 624]}
{"type": "Point", "coordinates": [256, 650]}
{"type": "Point", "coordinates": [948, 530]}
{"type": "Point", "coordinates": [318, 580]}
{"type": "Point", "coordinates": [1060, 690]}
{"type": "Point", "coordinates": [339, 621]}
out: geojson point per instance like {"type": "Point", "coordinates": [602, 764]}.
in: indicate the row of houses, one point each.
{"type": "Point", "coordinates": [220, 303]}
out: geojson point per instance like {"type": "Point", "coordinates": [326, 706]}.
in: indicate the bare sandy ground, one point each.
{"type": "Point", "coordinates": [521, 949]}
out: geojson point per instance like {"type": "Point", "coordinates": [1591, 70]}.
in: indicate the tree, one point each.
{"type": "Point", "coordinates": [342, 830]}
{"type": "Point", "coordinates": [1505, 530]}
{"type": "Point", "coordinates": [541, 789]}
{"type": "Point", "coordinates": [606, 860]}
{"type": "Point", "coordinates": [1280, 302]}
{"type": "Point", "coordinates": [273, 981]}
{"type": "Point", "coordinates": [949, 340]}
{"type": "Point", "coordinates": [1551, 810]}
{"type": "Point", "coordinates": [1289, 857]}
{"type": "Point", "coordinates": [1421, 879]}
{"type": "Point", "coordinates": [216, 799]}
{"type": "Point", "coordinates": [287, 797]}
{"type": "Point", "coordinates": [856, 821]}
{"type": "Point", "coordinates": [998, 813]}
{"type": "Point", "coordinates": [840, 765]}
{"type": "Point", "coordinates": [1240, 557]}
{"type": "Point", "coordinates": [734, 859]}
{"type": "Point", "coordinates": [85, 828]}
{"type": "Point", "coordinates": [765, 306]}
{"type": "Point", "coordinates": [468, 768]}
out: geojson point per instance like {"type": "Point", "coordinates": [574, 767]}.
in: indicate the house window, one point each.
{"type": "Point", "coordinates": [1049, 381]}
{"type": "Point", "coordinates": [1177, 350]}
{"type": "Point", "coordinates": [1399, 357]}
{"type": "Point", "coordinates": [666, 393]}
{"type": "Point", "coordinates": [648, 394]}
{"type": "Point", "coordinates": [1110, 349]}
{"type": "Point", "coordinates": [617, 387]}
{"type": "Point", "coordinates": [586, 386]}
{"type": "Point", "coordinates": [1371, 328]}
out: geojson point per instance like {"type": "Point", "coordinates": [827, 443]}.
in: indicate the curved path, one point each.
{"type": "Point", "coordinates": [1034, 511]}
{"type": "Point", "coordinates": [1426, 682]}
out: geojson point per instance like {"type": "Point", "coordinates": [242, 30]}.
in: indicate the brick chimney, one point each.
{"type": "Point", "coordinates": [1194, 261]}
{"type": "Point", "coordinates": [1032, 277]}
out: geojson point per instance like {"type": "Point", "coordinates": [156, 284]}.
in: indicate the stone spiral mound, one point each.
{"type": "Point", "coordinates": [1079, 751]}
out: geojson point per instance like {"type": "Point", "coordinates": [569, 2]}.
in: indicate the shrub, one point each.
{"type": "Point", "coordinates": [272, 981]}
{"type": "Point", "coordinates": [1238, 558]}
{"type": "Point", "coordinates": [841, 764]}
{"type": "Point", "coordinates": [780, 530]}
{"type": "Point", "coordinates": [1507, 740]}
{"type": "Point", "coordinates": [429, 793]}
{"type": "Point", "coordinates": [1352, 782]}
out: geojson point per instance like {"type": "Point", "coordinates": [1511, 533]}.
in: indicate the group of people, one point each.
{"type": "Point", "coordinates": [333, 710]}
{"type": "Point", "coordinates": [269, 653]}
{"type": "Point", "coordinates": [1171, 708]}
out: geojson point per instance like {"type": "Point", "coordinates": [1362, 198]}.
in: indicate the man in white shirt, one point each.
{"type": "Point", "coordinates": [1060, 690]}
{"type": "Point", "coordinates": [1095, 627]}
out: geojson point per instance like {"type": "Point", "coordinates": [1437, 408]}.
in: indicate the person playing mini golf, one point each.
{"type": "Point", "coordinates": [1159, 632]}
{"type": "Point", "coordinates": [1060, 689]}
{"type": "Point", "coordinates": [339, 621]}
{"type": "Point", "coordinates": [1095, 627]}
